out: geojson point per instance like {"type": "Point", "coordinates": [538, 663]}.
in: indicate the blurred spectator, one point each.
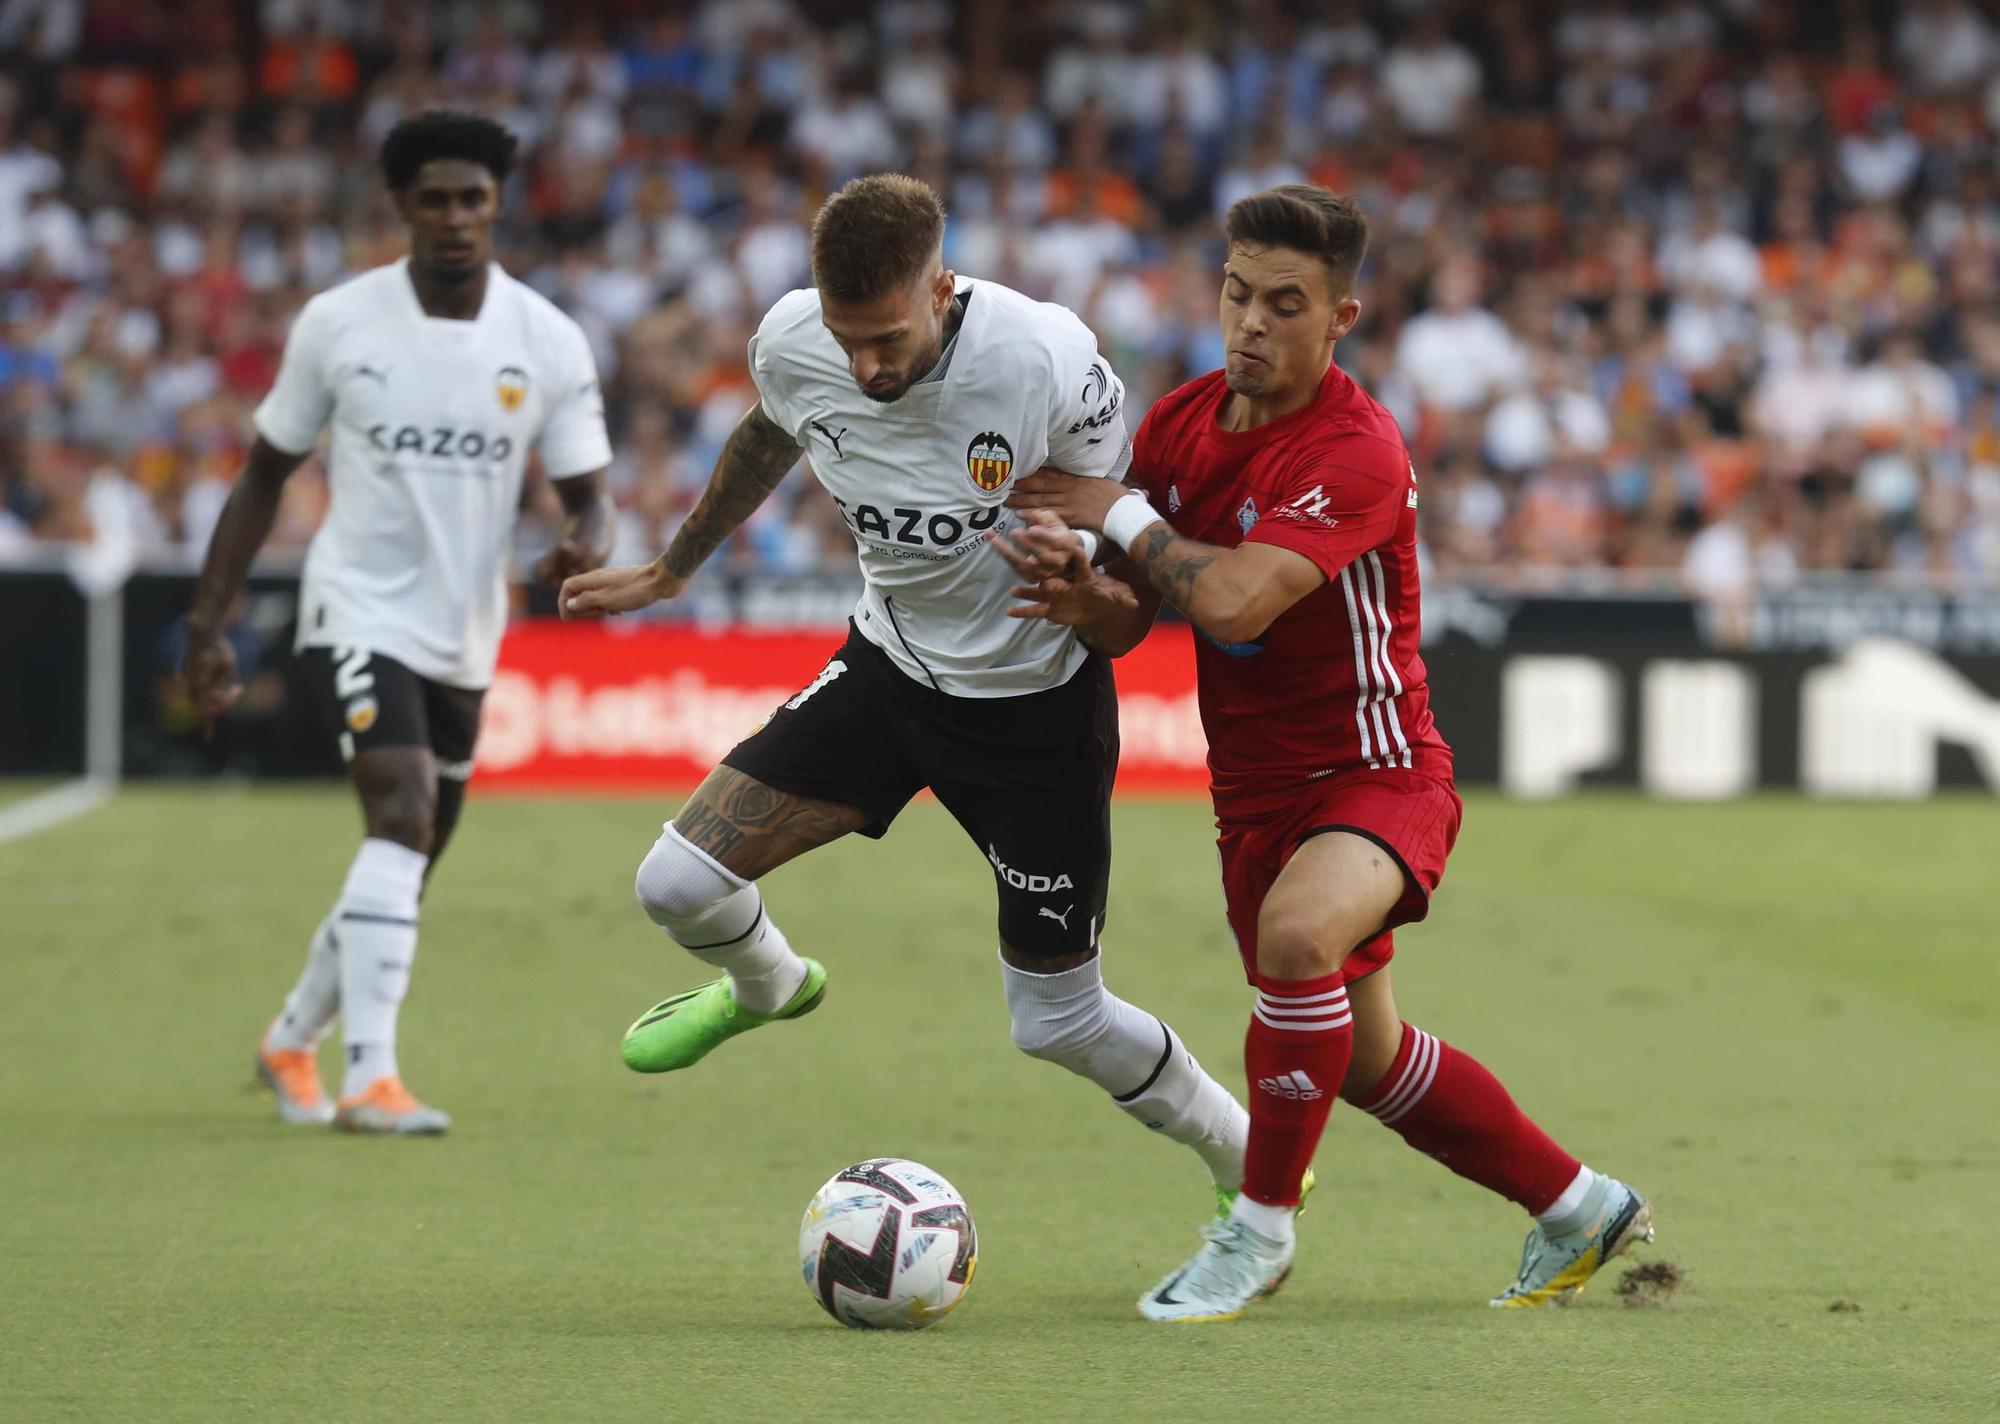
{"type": "Point", "coordinates": [1707, 290]}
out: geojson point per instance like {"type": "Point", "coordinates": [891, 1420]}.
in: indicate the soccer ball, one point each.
{"type": "Point", "coordinates": [888, 1245]}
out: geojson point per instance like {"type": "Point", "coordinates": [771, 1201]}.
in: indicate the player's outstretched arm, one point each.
{"type": "Point", "coordinates": [245, 523]}
{"type": "Point", "coordinates": [753, 463]}
{"type": "Point", "coordinates": [1059, 585]}
{"type": "Point", "coordinates": [1233, 595]}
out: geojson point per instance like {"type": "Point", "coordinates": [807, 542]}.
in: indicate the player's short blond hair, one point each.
{"type": "Point", "coordinates": [1306, 218]}
{"type": "Point", "coordinates": [875, 235]}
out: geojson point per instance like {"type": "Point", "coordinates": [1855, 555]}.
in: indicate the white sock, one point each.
{"type": "Point", "coordinates": [376, 924]}
{"type": "Point", "coordinates": [1072, 1019]}
{"type": "Point", "coordinates": [315, 999]}
{"type": "Point", "coordinates": [719, 918]}
{"type": "Point", "coordinates": [764, 971]}
{"type": "Point", "coordinates": [1571, 1198]}
{"type": "Point", "coordinates": [1273, 1223]}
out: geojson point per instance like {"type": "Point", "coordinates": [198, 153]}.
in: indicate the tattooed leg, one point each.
{"type": "Point", "coordinates": [748, 828]}
{"type": "Point", "coordinates": [752, 828]}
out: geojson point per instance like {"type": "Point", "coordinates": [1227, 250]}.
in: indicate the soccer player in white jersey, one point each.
{"type": "Point", "coordinates": [437, 374]}
{"type": "Point", "coordinates": [921, 396]}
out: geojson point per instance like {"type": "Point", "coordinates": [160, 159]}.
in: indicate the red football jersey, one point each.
{"type": "Point", "coordinates": [1336, 683]}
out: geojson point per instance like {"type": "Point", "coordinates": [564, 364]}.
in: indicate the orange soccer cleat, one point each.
{"type": "Point", "coordinates": [385, 1105]}
{"type": "Point", "coordinates": [292, 1075]}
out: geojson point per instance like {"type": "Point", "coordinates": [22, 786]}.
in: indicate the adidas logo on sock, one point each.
{"type": "Point", "coordinates": [1294, 1085]}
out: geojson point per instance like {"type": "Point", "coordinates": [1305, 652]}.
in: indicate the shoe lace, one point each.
{"type": "Point", "coordinates": [1226, 1260]}
{"type": "Point", "coordinates": [1531, 1253]}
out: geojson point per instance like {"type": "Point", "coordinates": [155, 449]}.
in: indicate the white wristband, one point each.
{"type": "Point", "coordinates": [1091, 544]}
{"type": "Point", "coordinates": [1130, 517]}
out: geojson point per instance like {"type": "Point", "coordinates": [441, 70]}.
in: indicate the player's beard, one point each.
{"type": "Point", "coordinates": [919, 368]}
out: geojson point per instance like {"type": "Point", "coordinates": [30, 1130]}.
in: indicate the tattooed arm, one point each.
{"type": "Point", "coordinates": [1233, 595]}
{"type": "Point", "coordinates": [756, 459]}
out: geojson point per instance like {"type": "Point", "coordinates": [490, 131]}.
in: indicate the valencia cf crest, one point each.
{"type": "Point", "coordinates": [989, 459]}
{"type": "Point", "coordinates": [512, 387]}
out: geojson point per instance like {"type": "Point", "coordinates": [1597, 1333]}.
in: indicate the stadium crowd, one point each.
{"type": "Point", "coordinates": [1700, 288]}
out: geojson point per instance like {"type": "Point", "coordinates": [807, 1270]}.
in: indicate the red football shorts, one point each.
{"type": "Point", "coordinates": [1413, 815]}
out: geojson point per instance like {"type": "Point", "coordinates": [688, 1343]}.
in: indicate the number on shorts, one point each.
{"type": "Point", "coordinates": [827, 674]}
{"type": "Point", "coordinates": [350, 671]}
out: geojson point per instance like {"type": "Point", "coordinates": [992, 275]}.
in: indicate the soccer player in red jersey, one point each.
{"type": "Point", "coordinates": [1273, 502]}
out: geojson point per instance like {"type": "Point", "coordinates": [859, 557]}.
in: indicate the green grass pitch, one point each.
{"type": "Point", "coordinates": [1780, 1019]}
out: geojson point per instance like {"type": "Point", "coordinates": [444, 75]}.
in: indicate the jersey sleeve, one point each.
{"type": "Point", "coordinates": [1087, 416]}
{"type": "Point", "coordinates": [296, 408]}
{"type": "Point", "coordinates": [1343, 502]}
{"type": "Point", "coordinates": [773, 390]}
{"type": "Point", "coordinates": [573, 439]}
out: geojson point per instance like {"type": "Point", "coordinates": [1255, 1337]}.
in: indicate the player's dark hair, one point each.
{"type": "Point", "coordinates": [446, 133]}
{"type": "Point", "coordinates": [875, 235]}
{"type": "Point", "coordinates": [1305, 218]}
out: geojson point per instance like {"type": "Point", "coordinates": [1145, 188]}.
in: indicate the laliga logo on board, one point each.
{"type": "Point", "coordinates": [988, 459]}
{"type": "Point", "coordinates": [511, 385]}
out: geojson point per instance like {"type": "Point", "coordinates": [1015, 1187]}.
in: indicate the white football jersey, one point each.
{"type": "Point", "coordinates": [922, 480]}
{"type": "Point", "coordinates": [432, 419]}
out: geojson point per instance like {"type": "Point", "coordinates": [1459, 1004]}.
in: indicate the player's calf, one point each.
{"type": "Point", "coordinates": [1069, 1018]}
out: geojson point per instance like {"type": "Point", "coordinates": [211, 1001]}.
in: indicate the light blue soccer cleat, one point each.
{"type": "Point", "coordinates": [1234, 1268]}
{"type": "Point", "coordinates": [1557, 1264]}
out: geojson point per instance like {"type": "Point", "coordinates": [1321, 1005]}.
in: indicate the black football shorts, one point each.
{"type": "Point", "coordinates": [1028, 777]}
{"type": "Point", "coordinates": [371, 700]}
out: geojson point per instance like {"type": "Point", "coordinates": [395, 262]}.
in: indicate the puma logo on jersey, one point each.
{"type": "Point", "coordinates": [1062, 919]}
{"type": "Point", "coordinates": [831, 438]}
{"type": "Point", "coordinates": [364, 369]}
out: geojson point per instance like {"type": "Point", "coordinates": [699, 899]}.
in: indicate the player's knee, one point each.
{"type": "Point", "coordinates": [678, 887]}
{"type": "Point", "coordinates": [1063, 1031]}
{"type": "Point", "coordinates": [406, 814]}
{"type": "Point", "coordinates": [1056, 1038]}
{"type": "Point", "coordinates": [1298, 947]}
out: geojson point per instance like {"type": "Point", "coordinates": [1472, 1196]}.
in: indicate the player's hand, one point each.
{"type": "Point", "coordinates": [1078, 502]}
{"type": "Point", "coordinates": [1042, 547]}
{"type": "Point", "coordinates": [210, 673]}
{"type": "Point", "coordinates": [573, 554]}
{"type": "Point", "coordinates": [1074, 601]}
{"type": "Point", "coordinates": [621, 590]}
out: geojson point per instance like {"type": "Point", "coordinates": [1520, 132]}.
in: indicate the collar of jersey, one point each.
{"type": "Point", "coordinates": [447, 324]}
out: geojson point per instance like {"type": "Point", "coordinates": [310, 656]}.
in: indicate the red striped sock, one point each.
{"type": "Point", "coordinates": [1301, 1036]}
{"type": "Point", "coordinates": [1445, 1104]}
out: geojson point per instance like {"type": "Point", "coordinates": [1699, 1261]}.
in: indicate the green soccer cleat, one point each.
{"type": "Point", "coordinates": [1225, 1197]}
{"type": "Point", "coordinates": [1557, 1265]}
{"type": "Point", "coordinates": [679, 1032]}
